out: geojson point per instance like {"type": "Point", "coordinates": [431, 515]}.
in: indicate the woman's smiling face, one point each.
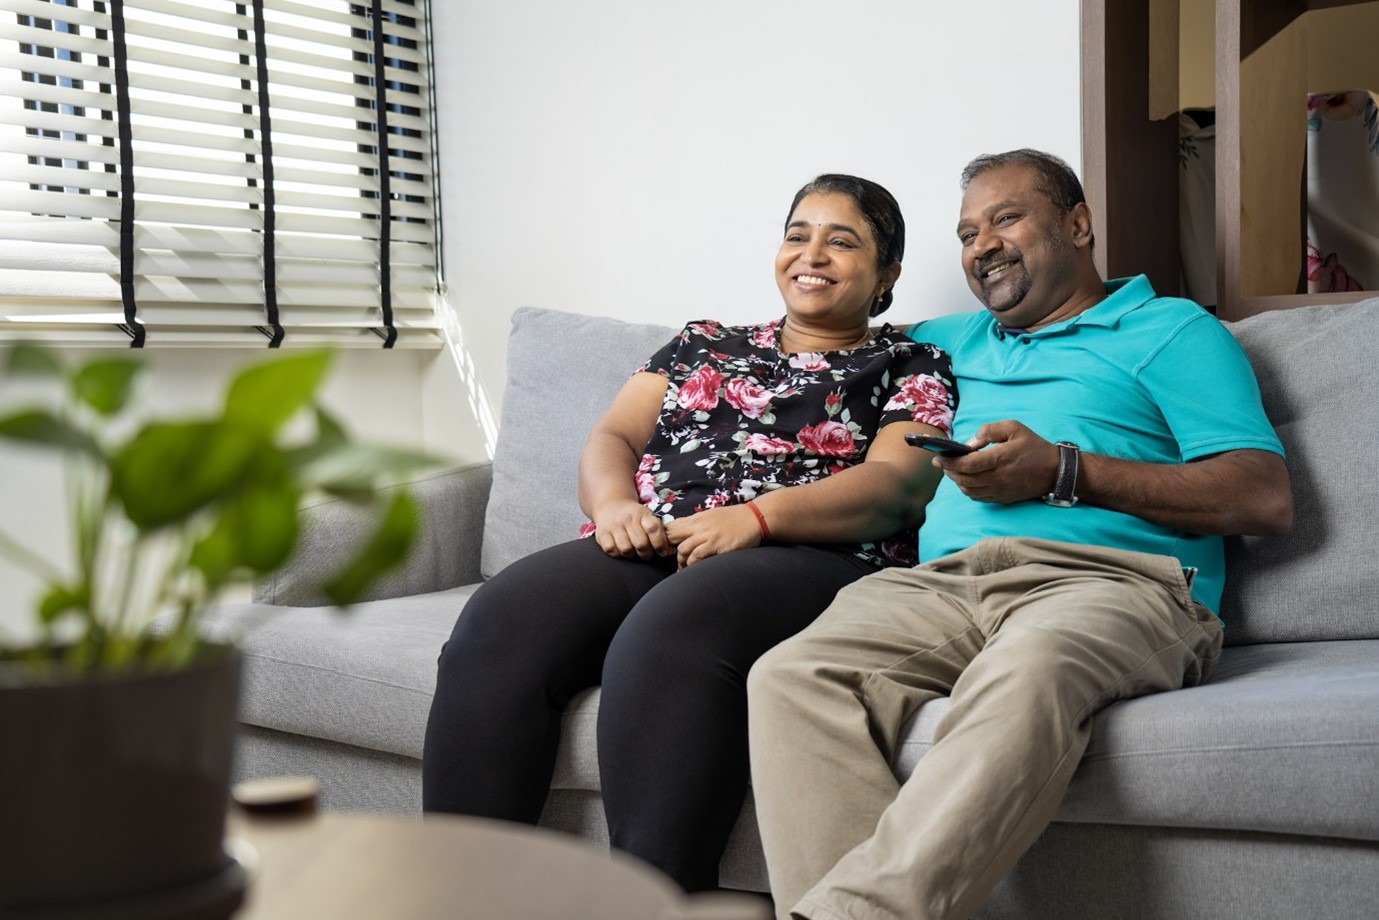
{"type": "Point", "coordinates": [826, 267]}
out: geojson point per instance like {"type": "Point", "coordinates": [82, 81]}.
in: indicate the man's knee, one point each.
{"type": "Point", "coordinates": [776, 671]}
{"type": "Point", "coordinates": [765, 674]}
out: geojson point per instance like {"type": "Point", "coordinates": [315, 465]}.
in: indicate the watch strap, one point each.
{"type": "Point", "coordinates": [1064, 494]}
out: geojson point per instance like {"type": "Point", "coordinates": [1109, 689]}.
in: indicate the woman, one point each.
{"type": "Point", "coordinates": [739, 479]}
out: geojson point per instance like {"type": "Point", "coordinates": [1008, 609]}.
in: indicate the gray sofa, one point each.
{"type": "Point", "coordinates": [1256, 795]}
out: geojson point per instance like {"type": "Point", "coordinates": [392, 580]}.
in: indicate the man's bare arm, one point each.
{"type": "Point", "coordinates": [1236, 492]}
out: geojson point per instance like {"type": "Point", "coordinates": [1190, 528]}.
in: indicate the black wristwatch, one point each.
{"type": "Point", "coordinates": [1064, 494]}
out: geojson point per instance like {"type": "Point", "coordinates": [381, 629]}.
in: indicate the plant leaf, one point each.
{"type": "Point", "coordinates": [266, 395]}
{"type": "Point", "coordinates": [105, 384]}
{"type": "Point", "coordinates": [256, 532]}
{"type": "Point", "coordinates": [351, 468]}
{"type": "Point", "coordinates": [60, 599]}
{"type": "Point", "coordinates": [214, 554]}
{"type": "Point", "coordinates": [329, 431]}
{"type": "Point", "coordinates": [169, 471]}
{"type": "Point", "coordinates": [266, 527]}
{"type": "Point", "coordinates": [26, 358]}
{"type": "Point", "coordinates": [40, 427]}
{"type": "Point", "coordinates": [386, 548]}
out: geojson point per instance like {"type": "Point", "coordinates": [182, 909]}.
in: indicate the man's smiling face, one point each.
{"type": "Point", "coordinates": [1017, 253]}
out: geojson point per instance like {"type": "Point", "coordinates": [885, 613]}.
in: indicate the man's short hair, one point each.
{"type": "Point", "coordinates": [1056, 178]}
{"type": "Point", "coordinates": [1053, 177]}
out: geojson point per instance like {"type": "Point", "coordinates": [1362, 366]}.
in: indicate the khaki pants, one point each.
{"type": "Point", "coordinates": [1030, 639]}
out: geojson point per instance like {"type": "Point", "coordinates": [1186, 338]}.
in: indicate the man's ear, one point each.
{"type": "Point", "coordinates": [1080, 224]}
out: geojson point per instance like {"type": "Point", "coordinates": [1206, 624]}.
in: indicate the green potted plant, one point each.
{"type": "Point", "coordinates": [118, 718]}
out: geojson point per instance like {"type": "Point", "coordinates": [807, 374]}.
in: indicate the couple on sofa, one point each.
{"type": "Point", "coordinates": [753, 507]}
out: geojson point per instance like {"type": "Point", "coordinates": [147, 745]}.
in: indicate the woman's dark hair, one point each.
{"type": "Point", "coordinates": [1052, 176]}
{"type": "Point", "coordinates": [879, 209]}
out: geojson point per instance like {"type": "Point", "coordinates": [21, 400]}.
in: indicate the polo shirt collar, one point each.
{"type": "Point", "coordinates": [1122, 296]}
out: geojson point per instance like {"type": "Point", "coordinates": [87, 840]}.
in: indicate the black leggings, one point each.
{"type": "Point", "coordinates": [671, 649]}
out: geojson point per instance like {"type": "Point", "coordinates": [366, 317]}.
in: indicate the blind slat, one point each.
{"type": "Point", "coordinates": [83, 42]}
{"type": "Point", "coordinates": [361, 136]}
{"type": "Point", "coordinates": [65, 177]}
{"type": "Point", "coordinates": [140, 32]}
{"type": "Point", "coordinates": [89, 70]}
{"type": "Point", "coordinates": [57, 123]}
{"type": "Point", "coordinates": [231, 242]}
{"type": "Point", "coordinates": [98, 336]}
{"type": "Point", "coordinates": [59, 203]}
{"type": "Point", "coordinates": [39, 257]}
{"type": "Point", "coordinates": [222, 15]}
{"type": "Point", "coordinates": [164, 298]}
{"type": "Point", "coordinates": [42, 10]}
{"type": "Point", "coordinates": [57, 149]}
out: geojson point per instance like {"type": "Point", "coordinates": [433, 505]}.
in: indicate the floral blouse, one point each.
{"type": "Point", "coordinates": [741, 417]}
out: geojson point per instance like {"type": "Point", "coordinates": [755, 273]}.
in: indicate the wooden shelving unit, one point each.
{"type": "Point", "coordinates": [1261, 57]}
{"type": "Point", "coordinates": [1130, 160]}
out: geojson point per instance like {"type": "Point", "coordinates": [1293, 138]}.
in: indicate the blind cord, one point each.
{"type": "Point", "coordinates": [132, 327]}
{"type": "Point", "coordinates": [270, 216]}
{"type": "Point", "coordinates": [385, 192]}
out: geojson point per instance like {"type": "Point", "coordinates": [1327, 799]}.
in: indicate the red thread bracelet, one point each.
{"type": "Point", "coordinates": [761, 522]}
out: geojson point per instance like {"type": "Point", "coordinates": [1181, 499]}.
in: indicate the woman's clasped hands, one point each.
{"type": "Point", "coordinates": [629, 530]}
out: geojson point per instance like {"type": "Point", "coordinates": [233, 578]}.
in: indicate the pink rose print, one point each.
{"type": "Point", "coordinates": [827, 439]}
{"type": "Point", "coordinates": [765, 337]}
{"type": "Point", "coordinates": [926, 398]}
{"type": "Point", "coordinates": [832, 402]}
{"type": "Point", "coordinates": [809, 361]}
{"type": "Point", "coordinates": [716, 500]}
{"type": "Point", "coordinates": [587, 530]}
{"type": "Point", "coordinates": [646, 483]}
{"type": "Point", "coordinates": [746, 398]}
{"type": "Point", "coordinates": [759, 443]}
{"type": "Point", "coordinates": [700, 391]}
{"type": "Point", "coordinates": [1335, 106]}
{"type": "Point", "coordinates": [1326, 273]}
{"type": "Point", "coordinates": [708, 329]}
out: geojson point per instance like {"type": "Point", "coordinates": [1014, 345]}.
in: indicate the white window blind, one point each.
{"type": "Point", "coordinates": [216, 173]}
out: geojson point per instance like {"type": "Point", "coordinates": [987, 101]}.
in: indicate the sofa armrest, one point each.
{"type": "Point", "coordinates": [446, 553]}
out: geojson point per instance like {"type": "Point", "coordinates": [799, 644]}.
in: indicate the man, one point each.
{"type": "Point", "coordinates": [1074, 560]}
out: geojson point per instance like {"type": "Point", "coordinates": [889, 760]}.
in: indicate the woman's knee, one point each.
{"type": "Point", "coordinates": [478, 633]}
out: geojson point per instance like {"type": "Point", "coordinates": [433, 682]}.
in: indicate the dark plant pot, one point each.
{"type": "Point", "coordinates": [114, 789]}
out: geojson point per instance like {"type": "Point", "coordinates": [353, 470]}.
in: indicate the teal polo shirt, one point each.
{"type": "Point", "coordinates": [1141, 377]}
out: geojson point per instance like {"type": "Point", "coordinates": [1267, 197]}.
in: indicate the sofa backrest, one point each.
{"type": "Point", "coordinates": [563, 371]}
{"type": "Point", "coordinates": [1315, 368]}
{"type": "Point", "coordinates": [1316, 372]}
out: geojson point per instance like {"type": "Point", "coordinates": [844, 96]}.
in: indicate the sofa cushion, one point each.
{"type": "Point", "coordinates": [1315, 369]}
{"type": "Point", "coordinates": [444, 555]}
{"type": "Point", "coordinates": [362, 676]}
{"type": "Point", "coordinates": [1283, 739]}
{"type": "Point", "coordinates": [563, 372]}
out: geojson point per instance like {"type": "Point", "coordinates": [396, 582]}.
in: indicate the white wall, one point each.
{"type": "Point", "coordinates": [635, 159]}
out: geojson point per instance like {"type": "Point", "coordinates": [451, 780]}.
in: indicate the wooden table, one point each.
{"type": "Point", "coordinates": [362, 866]}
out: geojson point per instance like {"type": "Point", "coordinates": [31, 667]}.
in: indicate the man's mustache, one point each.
{"type": "Point", "coordinates": [981, 266]}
